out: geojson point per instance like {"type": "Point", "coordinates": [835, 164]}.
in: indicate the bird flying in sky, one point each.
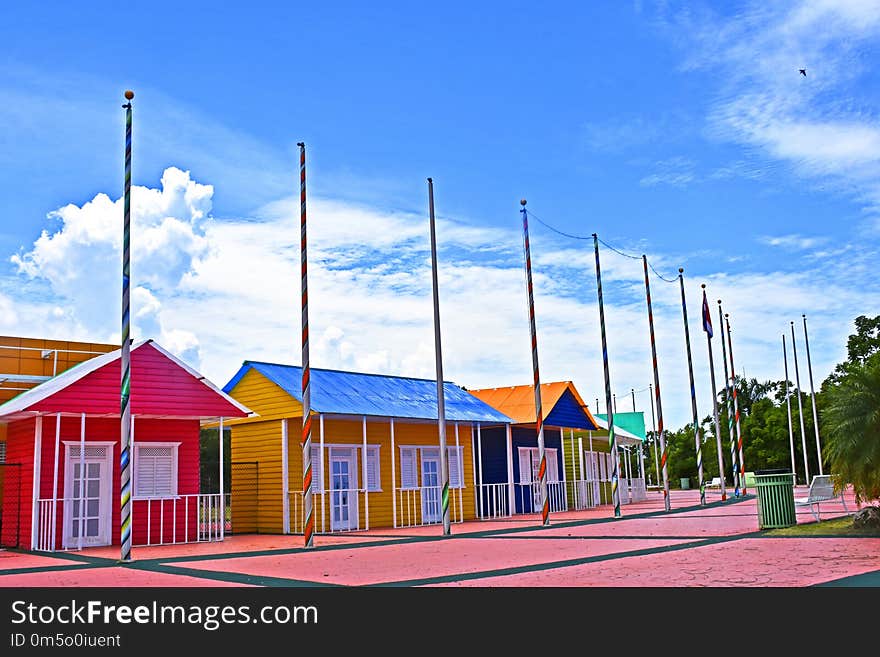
{"type": "Point", "coordinates": [803, 71]}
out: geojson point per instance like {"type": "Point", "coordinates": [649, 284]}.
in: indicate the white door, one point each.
{"type": "Point", "coordinates": [87, 496]}
{"type": "Point", "coordinates": [431, 495]}
{"type": "Point", "coordinates": [343, 489]}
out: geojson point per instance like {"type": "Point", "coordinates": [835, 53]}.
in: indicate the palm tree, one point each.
{"type": "Point", "coordinates": [851, 420]}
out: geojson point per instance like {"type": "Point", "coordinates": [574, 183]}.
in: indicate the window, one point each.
{"type": "Point", "coordinates": [455, 467]}
{"type": "Point", "coordinates": [530, 465]}
{"type": "Point", "coordinates": [409, 474]}
{"type": "Point", "coordinates": [317, 470]}
{"type": "Point", "coordinates": [3, 452]}
{"type": "Point", "coordinates": [155, 469]}
{"type": "Point", "coordinates": [373, 481]}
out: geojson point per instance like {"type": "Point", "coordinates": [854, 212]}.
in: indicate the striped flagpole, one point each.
{"type": "Point", "coordinates": [797, 379]}
{"type": "Point", "coordinates": [788, 408]}
{"type": "Point", "coordinates": [125, 367]}
{"type": "Point", "coordinates": [698, 438]}
{"type": "Point", "coordinates": [730, 392]}
{"type": "Point", "coordinates": [739, 436]}
{"type": "Point", "coordinates": [664, 453]}
{"type": "Point", "coordinates": [308, 518]}
{"type": "Point", "coordinates": [539, 412]}
{"type": "Point", "coordinates": [609, 411]}
{"type": "Point", "coordinates": [813, 397]}
{"type": "Point", "coordinates": [438, 354]}
{"type": "Point", "coordinates": [707, 317]}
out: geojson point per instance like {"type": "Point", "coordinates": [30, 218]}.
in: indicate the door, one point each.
{"type": "Point", "coordinates": [87, 496]}
{"type": "Point", "coordinates": [343, 489]}
{"type": "Point", "coordinates": [431, 505]}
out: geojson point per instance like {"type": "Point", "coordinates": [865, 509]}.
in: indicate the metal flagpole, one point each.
{"type": "Point", "coordinates": [800, 407]}
{"type": "Point", "coordinates": [125, 366]}
{"type": "Point", "coordinates": [539, 412]}
{"type": "Point", "coordinates": [438, 355]}
{"type": "Point", "coordinates": [633, 391]}
{"type": "Point", "coordinates": [813, 396]}
{"type": "Point", "coordinates": [654, 434]}
{"type": "Point", "coordinates": [728, 384]}
{"type": "Point", "coordinates": [698, 438]}
{"type": "Point", "coordinates": [612, 441]}
{"type": "Point", "coordinates": [707, 327]}
{"type": "Point", "coordinates": [788, 407]}
{"type": "Point", "coordinates": [308, 518]}
{"type": "Point", "coordinates": [739, 436]}
{"type": "Point", "coordinates": [664, 456]}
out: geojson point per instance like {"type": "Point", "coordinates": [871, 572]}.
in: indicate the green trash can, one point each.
{"type": "Point", "coordinates": [685, 483]}
{"type": "Point", "coordinates": [775, 491]}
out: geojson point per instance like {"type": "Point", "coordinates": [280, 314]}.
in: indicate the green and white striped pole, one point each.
{"type": "Point", "coordinates": [438, 356]}
{"type": "Point", "coordinates": [739, 436]}
{"type": "Point", "coordinates": [730, 393]}
{"type": "Point", "coordinates": [609, 411]}
{"type": "Point", "coordinates": [125, 366]}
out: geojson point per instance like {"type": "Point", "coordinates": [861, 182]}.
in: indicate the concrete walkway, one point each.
{"type": "Point", "coordinates": [715, 545]}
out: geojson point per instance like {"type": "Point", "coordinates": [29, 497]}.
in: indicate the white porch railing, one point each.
{"type": "Point", "coordinates": [191, 518]}
{"type": "Point", "coordinates": [530, 501]}
{"type": "Point", "coordinates": [637, 489]}
{"type": "Point", "coordinates": [332, 511]}
{"type": "Point", "coordinates": [582, 494]}
{"type": "Point", "coordinates": [493, 501]}
{"type": "Point", "coordinates": [423, 506]}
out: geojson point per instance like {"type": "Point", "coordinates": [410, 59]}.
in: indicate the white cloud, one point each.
{"type": "Point", "coordinates": [798, 242]}
{"type": "Point", "coordinates": [229, 291]}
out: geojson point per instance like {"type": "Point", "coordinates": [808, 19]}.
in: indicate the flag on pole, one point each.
{"type": "Point", "coordinates": [707, 316]}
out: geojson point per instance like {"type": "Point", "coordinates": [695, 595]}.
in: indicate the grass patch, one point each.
{"type": "Point", "coordinates": [836, 527]}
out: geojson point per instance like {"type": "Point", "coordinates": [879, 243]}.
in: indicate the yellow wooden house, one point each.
{"type": "Point", "coordinates": [375, 450]}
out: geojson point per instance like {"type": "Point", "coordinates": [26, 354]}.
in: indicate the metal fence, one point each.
{"type": "Point", "coordinates": [243, 515]}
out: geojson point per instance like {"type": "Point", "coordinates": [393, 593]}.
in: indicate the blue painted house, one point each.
{"type": "Point", "coordinates": [508, 459]}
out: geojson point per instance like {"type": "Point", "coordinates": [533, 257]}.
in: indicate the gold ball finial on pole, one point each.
{"type": "Point", "coordinates": [522, 202]}
{"type": "Point", "coordinates": [681, 270]}
{"type": "Point", "coordinates": [129, 94]}
{"type": "Point", "coordinates": [703, 285]}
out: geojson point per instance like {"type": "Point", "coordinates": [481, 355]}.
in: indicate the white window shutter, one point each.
{"type": "Point", "coordinates": [409, 477]}
{"type": "Point", "coordinates": [552, 465]}
{"type": "Point", "coordinates": [373, 482]}
{"type": "Point", "coordinates": [317, 470]}
{"type": "Point", "coordinates": [454, 461]}
{"type": "Point", "coordinates": [156, 470]}
{"type": "Point", "coordinates": [525, 465]}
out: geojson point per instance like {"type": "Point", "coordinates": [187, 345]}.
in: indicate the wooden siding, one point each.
{"type": "Point", "coordinates": [260, 440]}
{"type": "Point", "coordinates": [158, 387]}
{"type": "Point", "coordinates": [20, 444]}
{"type": "Point", "coordinates": [24, 356]}
{"type": "Point", "coordinates": [265, 398]}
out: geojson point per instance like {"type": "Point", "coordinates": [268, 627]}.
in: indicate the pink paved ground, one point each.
{"type": "Point", "coordinates": [748, 562]}
{"type": "Point", "coordinates": [715, 546]}
{"type": "Point", "coordinates": [372, 565]}
{"type": "Point", "coordinates": [110, 577]}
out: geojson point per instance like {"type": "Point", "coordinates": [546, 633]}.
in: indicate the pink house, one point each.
{"type": "Point", "coordinates": [65, 437]}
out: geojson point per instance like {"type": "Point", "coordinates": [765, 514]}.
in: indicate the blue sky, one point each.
{"type": "Point", "coordinates": [682, 130]}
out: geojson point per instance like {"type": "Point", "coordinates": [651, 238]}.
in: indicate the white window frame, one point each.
{"type": "Point", "coordinates": [535, 464]}
{"type": "Point", "coordinates": [175, 473]}
{"type": "Point", "coordinates": [417, 455]}
{"type": "Point", "coordinates": [373, 453]}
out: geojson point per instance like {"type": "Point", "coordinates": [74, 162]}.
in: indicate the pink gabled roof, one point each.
{"type": "Point", "coordinates": [161, 386]}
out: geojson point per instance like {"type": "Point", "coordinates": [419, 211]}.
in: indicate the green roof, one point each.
{"type": "Point", "coordinates": [632, 422]}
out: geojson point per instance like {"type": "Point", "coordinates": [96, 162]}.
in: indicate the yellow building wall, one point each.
{"type": "Point", "coordinates": [258, 439]}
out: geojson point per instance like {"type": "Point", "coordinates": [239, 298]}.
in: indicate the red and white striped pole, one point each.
{"type": "Point", "coordinates": [539, 413]}
{"type": "Point", "coordinates": [308, 518]}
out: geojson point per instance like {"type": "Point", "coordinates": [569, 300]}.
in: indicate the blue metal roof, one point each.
{"type": "Point", "coordinates": [355, 393]}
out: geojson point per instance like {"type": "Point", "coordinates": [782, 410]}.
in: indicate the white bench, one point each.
{"type": "Point", "coordinates": [821, 490]}
{"type": "Point", "coordinates": [715, 483]}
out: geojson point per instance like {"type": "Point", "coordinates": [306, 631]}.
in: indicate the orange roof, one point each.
{"type": "Point", "coordinates": [518, 402]}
